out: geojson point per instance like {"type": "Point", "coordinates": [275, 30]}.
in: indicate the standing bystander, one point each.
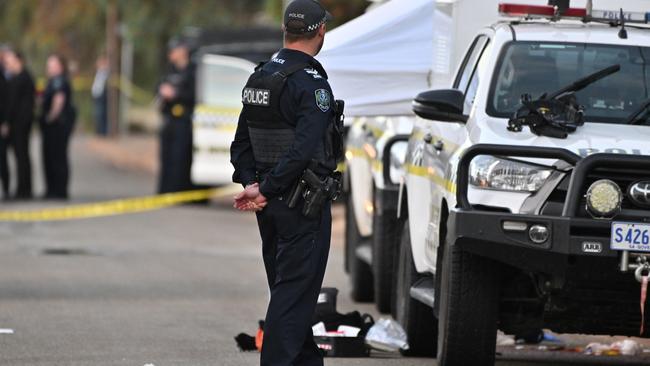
{"type": "Point", "coordinates": [100, 96]}
{"type": "Point", "coordinates": [4, 130]}
{"type": "Point", "coordinates": [21, 100]}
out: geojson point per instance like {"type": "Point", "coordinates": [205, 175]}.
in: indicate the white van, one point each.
{"type": "Point", "coordinates": [219, 81]}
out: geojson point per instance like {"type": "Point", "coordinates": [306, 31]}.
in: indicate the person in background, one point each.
{"type": "Point", "coordinates": [4, 48]}
{"type": "Point", "coordinates": [100, 95]}
{"type": "Point", "coordinates": [21, 99]}
{"type": "Point", "coordinates": [4, 132]}
{"type": "Point", "coordinates": [56, 120]}
{"type": "Point", "coordinates": [176, 93]}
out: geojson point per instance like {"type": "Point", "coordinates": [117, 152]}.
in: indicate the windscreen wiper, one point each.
{"type": "Point", "coordinates": [633, 119]}
{"type": "Point", "coordinates": [556, 114]}
{"type": "Point", "coordinates": [576, 86]}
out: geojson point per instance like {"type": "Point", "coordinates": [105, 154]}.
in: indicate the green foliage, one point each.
{"type": "Point", "coordinates": [77, 28]}
{"type": "Point", "coordinates": [343, 10]}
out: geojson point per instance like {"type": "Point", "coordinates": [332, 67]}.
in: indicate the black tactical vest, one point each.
{"type": "Point", "coordinates": [270, 134]}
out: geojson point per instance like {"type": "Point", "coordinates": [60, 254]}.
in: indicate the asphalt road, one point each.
{"type": "Point", "coordinates": [170, 287]}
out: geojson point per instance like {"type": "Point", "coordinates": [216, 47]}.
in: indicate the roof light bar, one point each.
{"type": "Point", "coordinates": [552, 12]}
{"type": "Point", "coordinates": [545, 11]}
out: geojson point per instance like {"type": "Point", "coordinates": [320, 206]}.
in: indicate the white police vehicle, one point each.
{"type": "Point", "coordinates": [219, 82]}
{"type": "Point", "coordinates": [225, 60]}
{"type": "Point", "coordinates": [379, 98]}
{"type": "Point", "coordinates": [373, 144]}
{"type": "Point", "coordinates": [526, 194]}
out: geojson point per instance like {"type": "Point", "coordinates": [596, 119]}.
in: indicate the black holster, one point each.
{"type": "Point", "coordinates": [315, 191]}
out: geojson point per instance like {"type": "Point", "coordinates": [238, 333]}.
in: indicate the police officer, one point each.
{"type": "Point", "coordinates": [57, 120]}
{"type": "Point", "coordinates": [21, 103]}
{"type": "Point", "coordinates": [176, 92]}
{"type": "Point", "coordinates": [4, 136]}
{"type": "Point", "coordinates": [282, 132]}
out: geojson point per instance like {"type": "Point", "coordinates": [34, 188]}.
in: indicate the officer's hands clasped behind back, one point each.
{"type": "Point", "coordinates": [250, 199]}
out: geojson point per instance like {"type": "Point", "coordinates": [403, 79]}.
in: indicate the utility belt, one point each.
{"type": "Point", "coordinates": [315, 191]}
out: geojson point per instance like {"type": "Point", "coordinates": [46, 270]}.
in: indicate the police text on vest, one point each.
{"type": "Point", "coordinates": [259, 97]}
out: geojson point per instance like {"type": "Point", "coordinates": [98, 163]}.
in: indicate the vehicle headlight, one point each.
{"type": "Point", "coordinates": [604, 198]}
{"type": "Point", "coordinates": [489, 172]}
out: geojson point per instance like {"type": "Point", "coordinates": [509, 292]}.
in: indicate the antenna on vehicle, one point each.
{"type": "Point", "coordinates": [622, 34]}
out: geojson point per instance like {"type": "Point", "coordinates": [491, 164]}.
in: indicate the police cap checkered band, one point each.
{"type": "Point", "coordinates": [304, 16]}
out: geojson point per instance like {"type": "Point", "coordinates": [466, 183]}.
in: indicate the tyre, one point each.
{"type": "Point", "coordinates": [360, 271]}
{"type": "Point", "coordinates": [351, 237]}
{"type": "Point", "coordinates": [415, 317]}
{"type": "Point", "coordinates": [469, 309]}
{"type": "Point", "coordinates": [385, 244]}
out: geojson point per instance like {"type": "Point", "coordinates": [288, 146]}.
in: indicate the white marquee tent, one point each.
{"type": "Point", "coordinates": [378, 62]}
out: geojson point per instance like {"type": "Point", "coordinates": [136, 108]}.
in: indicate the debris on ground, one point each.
{"type": "Point", "coordinates": [387, 335]}
{"type": "Point", "coordinates": [626, 347]}
{"type": "Point", "coordinates": [504, 339]}
{"type": "Point", "coordinates": [320, 330]}
{"type": "Point", "coordinates": [550, 342]}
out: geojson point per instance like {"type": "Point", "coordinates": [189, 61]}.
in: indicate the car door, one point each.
{"type": "Point", "coordinates": [444, 139]}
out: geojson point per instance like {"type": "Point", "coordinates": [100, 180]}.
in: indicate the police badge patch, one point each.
{"type": "Point", "coordinates": [323, 99]}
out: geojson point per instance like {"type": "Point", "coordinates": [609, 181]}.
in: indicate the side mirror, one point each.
{"type": "Point", "coordinates": [444, 105]}
{"type": "Point", "coordinates": [394, 158]}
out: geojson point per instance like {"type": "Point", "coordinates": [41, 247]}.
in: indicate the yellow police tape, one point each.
{"type": "Point", "coordinates": [117, 207]}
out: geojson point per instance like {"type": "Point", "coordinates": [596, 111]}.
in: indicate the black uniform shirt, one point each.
{"type": "Point", "coordinates": [306, 103]}
{"type": "Point", "coordinates": [3, 98]}
{"type": "Point", "coordinates": [58, 84]}
{"type": "Point", "coordinates": [21, 99]}
{"type": "Point", "coordinates": [182, 105]}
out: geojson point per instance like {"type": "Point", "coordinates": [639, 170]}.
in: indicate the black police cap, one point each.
{"type": "Point", "coordinates": [304, 16]}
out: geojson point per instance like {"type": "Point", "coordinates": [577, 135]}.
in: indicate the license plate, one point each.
{"type": "Point", "coordinates": [630, 236]}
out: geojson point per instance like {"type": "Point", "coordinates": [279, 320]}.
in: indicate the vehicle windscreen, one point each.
{"type": "Point", "coordinates": [535, 68]}
{"type": "Point", "coordinates": [220, 84]}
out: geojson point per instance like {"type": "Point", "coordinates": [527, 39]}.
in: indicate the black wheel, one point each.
{"type": "Point", "coordinates": [351, 236]}
{"type": "Point", "coordinates": [469, 309]}
{"type": "Point", "coordinates": [385, 244]}
{"type": "Point", "coordinates": [360, 271]}
{"type": "Point", "coordinates": [415, 317]}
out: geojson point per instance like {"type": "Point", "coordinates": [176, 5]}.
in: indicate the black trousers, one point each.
{"type": "Point", "coordinates": [175, 155]}
{"type": "Point", "coordinates": [295, 251]}
{"type": "Point", "coordinates": [100, 112]}
{"type": "Point", "coordinates": [56, 163]}
{"type": "Point", "coordinates": [4, 167]}
{"type": "Point", "coordinates": [20, 144]}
